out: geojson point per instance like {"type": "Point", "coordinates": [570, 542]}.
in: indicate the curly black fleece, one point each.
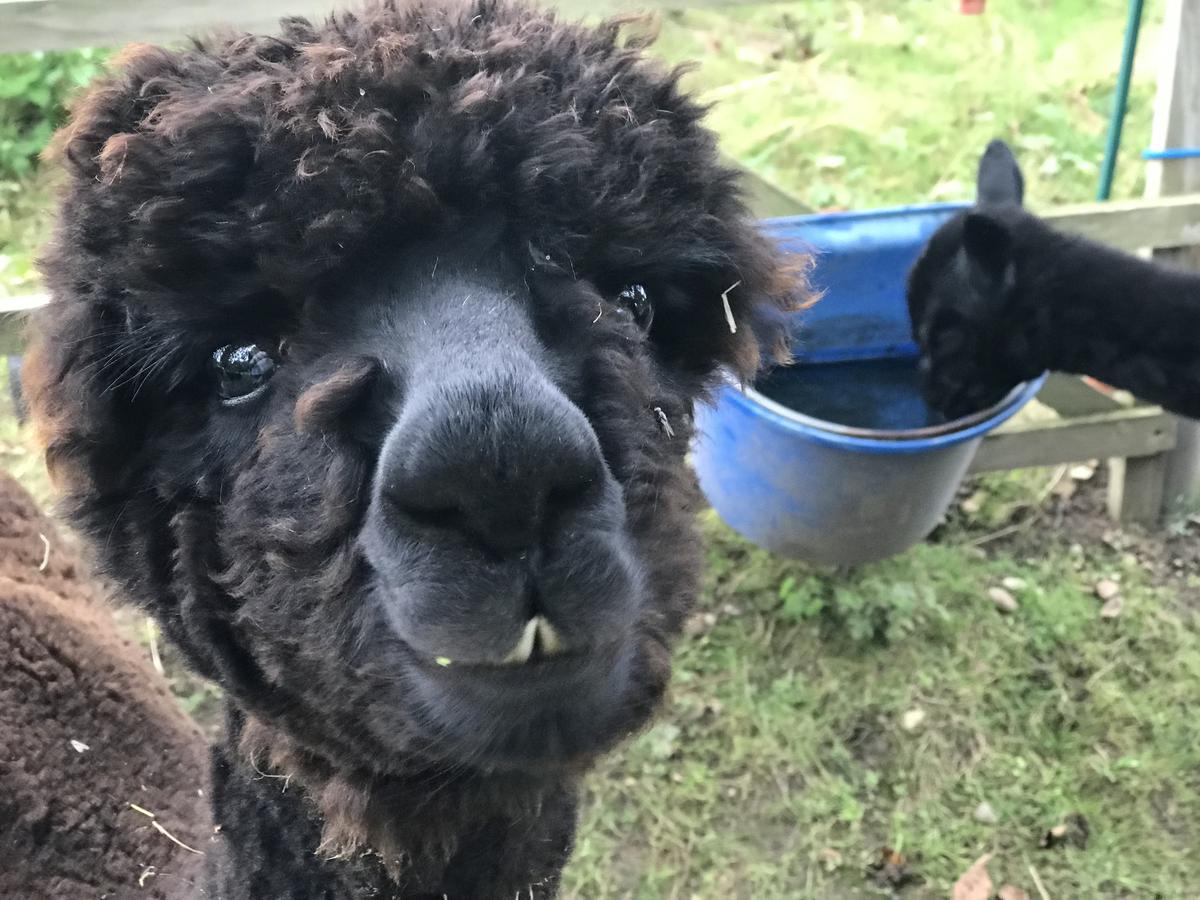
{"type": "Point", "coordinates": [230, 191]}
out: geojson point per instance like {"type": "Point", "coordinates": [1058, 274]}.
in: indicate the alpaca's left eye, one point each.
{"type": "Point", "coordinates": [634, 299]}
{"type": "Point", "coordinates": [243, 371]}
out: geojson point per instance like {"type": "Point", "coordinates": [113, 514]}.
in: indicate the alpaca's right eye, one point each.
{"type": "Point", "coordinates": [634, 300]}
{"type": "Point", "coordinates": [243, 371]}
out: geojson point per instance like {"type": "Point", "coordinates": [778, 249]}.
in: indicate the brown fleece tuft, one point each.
{"type": "Point", "coordinates": [86, 732]}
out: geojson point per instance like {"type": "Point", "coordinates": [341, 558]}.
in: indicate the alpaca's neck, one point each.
{"type": "Point", "coordinates": [409, 839]}
{"type": "Point", "coordinates": [1127, 321]}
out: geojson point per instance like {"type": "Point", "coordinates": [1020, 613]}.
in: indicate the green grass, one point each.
{"type": "Point", "coordinates": [860, 104]}
{"type": "Point", "coordinates": [19, 455]}
{"type": "Point", "coordinates": [781, 765]}
{"type": "Point", "coordinates": [24, 227]}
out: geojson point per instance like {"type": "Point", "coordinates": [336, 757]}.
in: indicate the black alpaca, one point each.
{"type": "Point", "coordinates": [999, 296]}
{"type": "Point", "coordinates": [369, 372]}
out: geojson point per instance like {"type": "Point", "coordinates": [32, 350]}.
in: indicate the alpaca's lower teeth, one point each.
{"type": "Point", "coordinates": [548, 638]}
{"type": "Point", "coordinates": [539, 636]}
{"type": "Point", "coordinates": [523, 649]}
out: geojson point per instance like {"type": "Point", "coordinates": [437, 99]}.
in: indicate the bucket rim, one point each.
{"type": "Point", "coordinates": [871, 440]}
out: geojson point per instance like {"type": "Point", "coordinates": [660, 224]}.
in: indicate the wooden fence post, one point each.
{"type": "Point", "coordinates": [1177, 124]}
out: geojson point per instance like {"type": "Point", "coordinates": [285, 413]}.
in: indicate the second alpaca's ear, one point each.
{"type": "Point", "coordinates": [999, 181]}
{"type": "Point", "coordinates": [989, 249]}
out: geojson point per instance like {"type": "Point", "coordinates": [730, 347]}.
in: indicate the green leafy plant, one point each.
{"type": "Point", "coordinates": [872, 606]}
{"type": "Point", "coordinates": [34, 91]}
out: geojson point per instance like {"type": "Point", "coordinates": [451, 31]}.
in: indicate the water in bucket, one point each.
{"type": "Point", "coordinates": [879, 393]}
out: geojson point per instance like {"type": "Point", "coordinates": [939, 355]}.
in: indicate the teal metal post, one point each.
{"type": "Point", "coordinates": [1133, 25]}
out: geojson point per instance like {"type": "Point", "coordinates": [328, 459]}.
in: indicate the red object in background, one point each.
{"type": "Point", "coordinates": [1098, 385]}
{"type": "Point", "coordinates": [971, 7]}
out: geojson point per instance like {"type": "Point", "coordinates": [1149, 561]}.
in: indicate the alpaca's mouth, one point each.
{"type": "Point", "coordinates": [539, 641]}
{"type": "Point", "coordinates": [544, 703]}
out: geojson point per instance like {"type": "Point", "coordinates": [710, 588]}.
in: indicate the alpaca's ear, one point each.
{"type": "Point", "coordinates": [999, 182]}
{"type": "Point", "coordinates": [989, 249]}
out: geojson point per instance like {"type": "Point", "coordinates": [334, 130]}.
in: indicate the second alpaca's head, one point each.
{"type": "Point", "coordinates": [961, 290]}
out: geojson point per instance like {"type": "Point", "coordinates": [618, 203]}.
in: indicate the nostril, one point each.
{"type": "Point", "coordinates": [567, 496]}
{"type": "Point", "coordinates": [499, 526]}
{"type": "Point", "coordinates": [450, 518]}
{"type": "Point", "coordinates": [441, 517]}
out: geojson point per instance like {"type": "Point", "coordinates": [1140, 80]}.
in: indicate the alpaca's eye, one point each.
{"type": "Point", "coordinates": [634, 300]}
{"type": "Point", "coordinates": [243, 371]}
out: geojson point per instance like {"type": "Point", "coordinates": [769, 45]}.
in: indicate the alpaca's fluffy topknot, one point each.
{"type": "Point", "coordinates": [282, 153]}
{"type": "Point", "coordinates": [227, 178]}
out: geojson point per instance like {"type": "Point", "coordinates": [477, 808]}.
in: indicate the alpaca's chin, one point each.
{"type": "Point", "coordinates": [553, 713]}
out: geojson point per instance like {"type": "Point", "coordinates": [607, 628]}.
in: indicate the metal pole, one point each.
{"type": "Point", "coordinates": [1133, 25]}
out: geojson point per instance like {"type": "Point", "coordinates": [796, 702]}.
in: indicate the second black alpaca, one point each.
{"type": "Point", "coordinates": [1000, 296]}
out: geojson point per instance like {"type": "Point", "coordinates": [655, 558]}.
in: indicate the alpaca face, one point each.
{"type": "Point", "coordinates": [494, 411]}
{"type": "Point", "coordinates": [959, 290]}
{"type": "Point", "coordinates": [462, 421]}
{"type": "Point", "coordinates": [371, 367]}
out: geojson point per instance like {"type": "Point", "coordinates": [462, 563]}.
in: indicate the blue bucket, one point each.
{"type": "Point", "coordinates": [862, 469]}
